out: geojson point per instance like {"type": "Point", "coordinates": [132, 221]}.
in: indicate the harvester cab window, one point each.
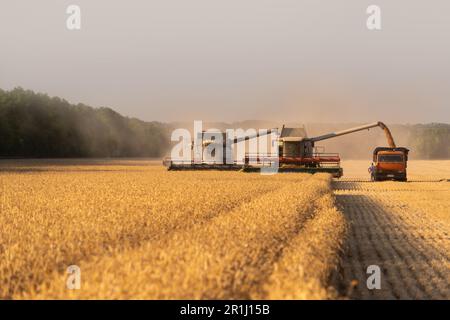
{"type": "Point", "coordinates": [390, 158]}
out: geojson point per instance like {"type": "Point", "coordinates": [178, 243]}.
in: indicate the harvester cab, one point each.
{"type": "Point", "coordinates": [297, 153]}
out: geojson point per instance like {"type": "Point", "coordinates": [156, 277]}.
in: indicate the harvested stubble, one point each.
{"type": "Point", "coordinates": [401, 227]}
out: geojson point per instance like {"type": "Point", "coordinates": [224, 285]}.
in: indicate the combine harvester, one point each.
{"type": "Point", "coordinates": [298, 153]}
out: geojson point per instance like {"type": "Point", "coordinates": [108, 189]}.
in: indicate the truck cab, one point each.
{"type": "Point", "coordinates": [390, 164]}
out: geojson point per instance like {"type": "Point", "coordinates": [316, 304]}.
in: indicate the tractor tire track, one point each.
{"type": "Point", "coordinates": [411, 248]}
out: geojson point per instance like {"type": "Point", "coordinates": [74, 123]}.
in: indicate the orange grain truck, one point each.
{"type": "Point", "coordinates": [390, 164]}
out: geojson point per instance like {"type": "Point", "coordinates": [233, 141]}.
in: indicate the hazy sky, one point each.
{"type": "Point", "coordinates": [226, 60]}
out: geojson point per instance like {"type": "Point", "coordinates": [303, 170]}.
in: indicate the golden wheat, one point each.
{"type": "Point", "coordinates": [138, 231]}
{"type": "Point", "coordinates": [229, 257]}
{"type": "Point", "coordinates": [312, 257]}
{"type": "Point", "coordinates": [53, 219]}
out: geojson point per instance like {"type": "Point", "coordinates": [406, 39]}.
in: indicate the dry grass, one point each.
{"type": "Point", "coordinates": [138, 231]}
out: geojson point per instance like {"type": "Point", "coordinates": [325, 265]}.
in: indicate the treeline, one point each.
{"type": "Point", "coordinates": [36, 125]}
{"type": "Point", "coordinates": [431, 141]}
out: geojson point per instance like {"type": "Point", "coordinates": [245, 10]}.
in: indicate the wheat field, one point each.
{"type": "Point", "coordinates": [138, 231]}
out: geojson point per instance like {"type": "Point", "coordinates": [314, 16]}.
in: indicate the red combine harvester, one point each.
{"type": "Point", "coordinates": [296, 153]}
